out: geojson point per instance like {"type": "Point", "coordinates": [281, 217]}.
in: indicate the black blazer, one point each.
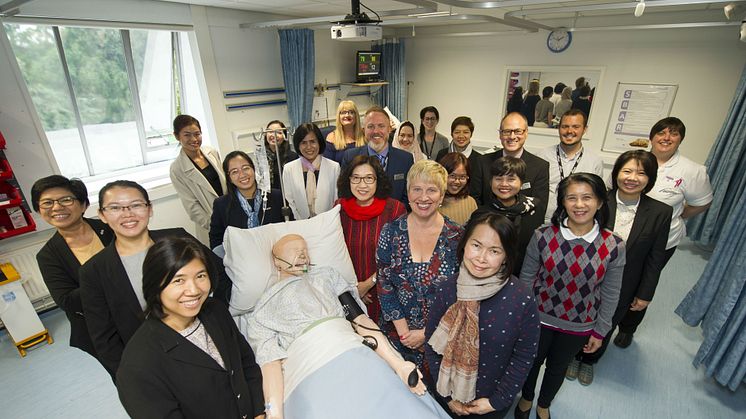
{"type": "Point", "coordinates": [163, 375]}
{"type": "Point", "coordinates": [112, 311]}
{"type": "Point", "coordinates": [646, 250]}
{"type": "Point", "coordinates": [225, 213]}
{"type": "Point", "coordinates": [397, 167]}
{"type": "Point", "coordinates": [59, 268]}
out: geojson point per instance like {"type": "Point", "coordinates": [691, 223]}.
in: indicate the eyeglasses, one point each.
{"type": "Point", "coordinates": [347, 113]}
{"type": "Point", "coordinates": [243, 169]}
{"type": "Point", "coordinates": [458, 178]}
{"type": "Point", "coordinates": [65, 201]}
{"type": "Point", "coordinates": [507, 132]}
{"type": "Point", "coordinates": [116, 209]}
{"type": "Point", "coordinates": [368, 180]}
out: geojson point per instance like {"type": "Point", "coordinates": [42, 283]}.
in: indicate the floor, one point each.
{"type": "Point", "coordinates": [653, 378]}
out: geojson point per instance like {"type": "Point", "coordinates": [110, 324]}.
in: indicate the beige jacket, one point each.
{"type": "Point", "coordinates": [193, 189]}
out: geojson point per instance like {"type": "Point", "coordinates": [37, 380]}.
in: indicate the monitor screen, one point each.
{"type": "Point", "coordinates": [368, 65]}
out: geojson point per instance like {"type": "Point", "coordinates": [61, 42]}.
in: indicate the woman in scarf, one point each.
{"type": "Point", "coordinates": [311, 181]}
{"type": "Point", "coordinates": [275, 144]}
{"type": "Point", "coordinates": [484, 326]}
{"type": "Point", "coordinates": [244, 205]}
{"type": "Point", "coordinates": [404, 140]}
{"type": "Point", "coordinates": [364, 193]}
{"type": "Point", "coordinates": [462, 128]}
{"type": "Point", "coordinates": [508, 174]}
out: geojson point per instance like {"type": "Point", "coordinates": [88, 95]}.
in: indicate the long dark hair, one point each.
{"type": "Point", "coordinates": [645, 159]}
{"type": "Point", "coordinates": [230, 188]}
{"type": "Point", "coordinates": [423, 111]}
{"type": "Point", "coordinates": [503, 227]}
{"type": "Point", "coordinates": [599, 190]}
{"type": "Point", "coordinates": [163, 260]}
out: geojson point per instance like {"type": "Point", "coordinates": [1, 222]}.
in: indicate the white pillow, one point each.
{"type": "Point", "coordinates": [248, 254]}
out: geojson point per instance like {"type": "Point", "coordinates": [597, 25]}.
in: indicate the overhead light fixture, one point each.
{"type": "Point", "coordinates": [431, 14]}
{"type": "Point", "coordinates": [640, 8]}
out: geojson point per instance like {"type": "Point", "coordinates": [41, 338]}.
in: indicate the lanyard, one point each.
{"type": "Point", "coordinates": [559, 163]}
{"type": "Point", "coordinates": [423, 144]}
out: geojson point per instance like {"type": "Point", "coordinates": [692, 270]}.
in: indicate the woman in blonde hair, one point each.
{"type": "Point", "coordinates": [347, 134]}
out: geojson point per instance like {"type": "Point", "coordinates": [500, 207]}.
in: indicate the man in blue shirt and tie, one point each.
{"type": "Point", "coordinates": [395, 162]}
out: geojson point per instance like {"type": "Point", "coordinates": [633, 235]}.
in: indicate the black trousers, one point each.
{"type": "Point", "coordinates": [558, 349]}
{"type": "Point", "coordinates": [497, 414]}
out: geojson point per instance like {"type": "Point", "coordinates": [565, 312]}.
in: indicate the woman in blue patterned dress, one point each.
{"type": "Point", "coordinates": [416, 253]}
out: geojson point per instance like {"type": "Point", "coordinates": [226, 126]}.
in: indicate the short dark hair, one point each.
{"type": "Point", "coordinates": [584, 90]}
{"type": "Point", "coordinates": [507, 165]}
{"type": "Point", "coordinates": [579, 82]}
{"type": "Point", "coordinates": [672, 123]}
{"type": "Point", "coordinates": [184, 120]}
{"type": "Point", "coordinates": [462, 120]}
{"type": "Point", "coordinates": [121, 184]}
{"type": "Point", "coordinates": [599, 190]}
{"type": "Point", "coordinates": [504, 228]}
{"type": "Point", "coordinates": [559, 87]}
{"type": "Point", "coordinates": [383, 184]}
{"type": "Point", "coordinates": [451, 161]}
{"type": "Point", "coordinates": [305, 129]}
{"type": "Point", "coordinates": [645, 159]}
{"type": "Point", "coordinates": [164, 259]}
{"type": "Point", "coordinates": [75, 186]}
{"type": "Point", "coordinates": [575, 112]}
{"type": "Point", "coordinates": [547, 92]}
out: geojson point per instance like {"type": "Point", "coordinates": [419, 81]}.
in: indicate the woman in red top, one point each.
{"type": "Point", "coordinates": [364, 191]}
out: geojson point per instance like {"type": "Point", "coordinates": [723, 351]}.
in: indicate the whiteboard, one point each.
{"type": "Point", "coordinates": [636, 108]}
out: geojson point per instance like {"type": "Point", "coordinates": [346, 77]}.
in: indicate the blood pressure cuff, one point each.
{"type": "Point", "coordinates": [351, 307]}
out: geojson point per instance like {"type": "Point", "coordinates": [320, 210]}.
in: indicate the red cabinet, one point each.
{"type": "Point", "coordinates": [15, 215]}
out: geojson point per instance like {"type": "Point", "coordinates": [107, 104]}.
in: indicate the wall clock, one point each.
{"type": "Point", "coordinates": [559, 40]}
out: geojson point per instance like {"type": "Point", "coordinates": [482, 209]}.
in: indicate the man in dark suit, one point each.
{"type": "Point", "coordinates": [513, 134]}
{"type": "Point", "coordinates": [395, 162]}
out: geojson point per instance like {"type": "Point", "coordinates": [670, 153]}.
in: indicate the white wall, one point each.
{"type": "Point", "coordinates": [465, 76]}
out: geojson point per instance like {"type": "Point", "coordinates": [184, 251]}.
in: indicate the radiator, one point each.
{"type": "Point", "coordinates": [24, 260]}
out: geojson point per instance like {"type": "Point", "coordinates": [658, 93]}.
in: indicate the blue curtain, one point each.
{"type": "Point", "coordinates": [298, 72]}
{"type": "Point", "coordinates": [717, 301]}
{"type": "Point", "coordinates": [393, 95]}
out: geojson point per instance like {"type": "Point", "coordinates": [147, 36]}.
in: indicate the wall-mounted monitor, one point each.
{"type": "Point", "coordinates": [368, 66]}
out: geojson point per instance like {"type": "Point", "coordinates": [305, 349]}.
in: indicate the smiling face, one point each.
{"type": "Point", "coordinates": [424, 197]}
{"type": "Point", "coordinates": [241, 174]}
{"type": "Point", "coordinates": [126, 222]}
{"type": "Point", "coordinates": [665, 143]}
{"type": "Point", "coordinates": [631, 180]}
{"type": "Point", "coordinates": [309, 146]}
{"type": "Point", "coordinates": [506, 187]}
{"type": "Point", "coordinates": [277, 136]}
{"type": "Point", "coordinates": [184, 295]}
{"type": "Point", "coordinates": [347, 116]}
{"type": "Point", "coordinates": [190, 138]}
{"type": "Point", "coordinates": [362, 191]}
{"type": "Point", "coordinates": [513, 133]}
{"type": "Point", "coordinates": [430, 121]}
{"type": "Point", "coordinates": [571, 130]}
{"type": "Point", "coordinates": [60, 216]}
{"type": "Point", "coordinates": [406, 136]}
{"type": "Point", "coordinates": [581, 205]}
{"type": "Point", "coordinates": [456, 180]}
{"type": "Point", "coordinates": [484, 253]}
{"type": "Point", "coordinates": [461, 136]}
{"type": "Point", "coordinates": [377, 128]}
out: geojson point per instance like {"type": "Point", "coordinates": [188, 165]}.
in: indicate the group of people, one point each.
{"type": "Point", "coordinates": [475, 269]}
{"type": "Point", "coordinates": [545, 109]}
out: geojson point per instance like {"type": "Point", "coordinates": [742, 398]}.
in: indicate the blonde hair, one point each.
{"type": "Point", "coordinates": [339, 141]}
{"type": "Point", "coordinates": [428, 171]}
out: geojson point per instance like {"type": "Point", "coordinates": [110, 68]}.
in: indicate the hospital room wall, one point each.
{"type": "Point", "coordinates": [705, 63]}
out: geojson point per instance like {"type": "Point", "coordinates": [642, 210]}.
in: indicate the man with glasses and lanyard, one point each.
{"type": "Point", "coordinates": [395, 162]}
{"type": "Point", "coordinates": [569, 156]}
{"type": "Point", "coordinates": [513, 134]}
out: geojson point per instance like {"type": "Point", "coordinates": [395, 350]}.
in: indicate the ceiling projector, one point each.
{"type": "Point", "coordinates": [357, 32]}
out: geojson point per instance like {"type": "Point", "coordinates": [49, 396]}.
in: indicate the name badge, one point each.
{"type": "Point", "coordinates": [526, 185]}
{"type": "Point", "coordinates": [399, 176]}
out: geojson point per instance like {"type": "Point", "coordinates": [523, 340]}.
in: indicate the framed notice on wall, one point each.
{"type": "Point", "coordinates": [636, 108]}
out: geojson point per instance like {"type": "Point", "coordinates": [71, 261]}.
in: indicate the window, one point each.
{"type": "Point", "coordinates": [106, 97]}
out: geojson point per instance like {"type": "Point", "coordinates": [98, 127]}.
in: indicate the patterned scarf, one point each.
{"type": "Point", "coordinates": [251, 212]}
{"type": "Point", "coordinates": [311, 167]}
{"type": "Point", "coordinates": [523, 205]}
{"type": "Point", "coordinates": [457, 336]}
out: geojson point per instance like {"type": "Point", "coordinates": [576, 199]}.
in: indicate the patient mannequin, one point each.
{"type": "Point", "coordinates": [298, 329]}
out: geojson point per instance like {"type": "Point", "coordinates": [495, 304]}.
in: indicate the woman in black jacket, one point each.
{"type": "Point", "coordinates": [61, 202]}
{"type": "Point", "coordinates": [188, 359]}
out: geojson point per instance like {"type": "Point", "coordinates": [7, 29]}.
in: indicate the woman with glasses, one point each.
{"type": "Point", "coordinates": [364, 194]}
{"type": "Point", "coordinates": [431, 142]}
{"type": "Point", "coordinates": [244, 205]}
{"type": "Point", "coordinates": [347, 134]}
{"type": "Point", "coordinates": [458, 205]}
{"type": "Point", "coordinates": [416, 253]}
{"type": "Point", "coordinates": [111, 281]}
{"type": "Point", "coordinates": [62, 202]}
{"type": "Point", "coordinates": [195, 174]}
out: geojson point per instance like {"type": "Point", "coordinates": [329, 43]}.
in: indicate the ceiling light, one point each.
{"type": "Point", "coordinates": [640, 8]}
{"type": "Point", "coordinates": [431, 14]}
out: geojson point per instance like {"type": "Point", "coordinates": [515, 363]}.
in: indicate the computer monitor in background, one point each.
{"type": "Point", "coordinates": [368, 66]}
